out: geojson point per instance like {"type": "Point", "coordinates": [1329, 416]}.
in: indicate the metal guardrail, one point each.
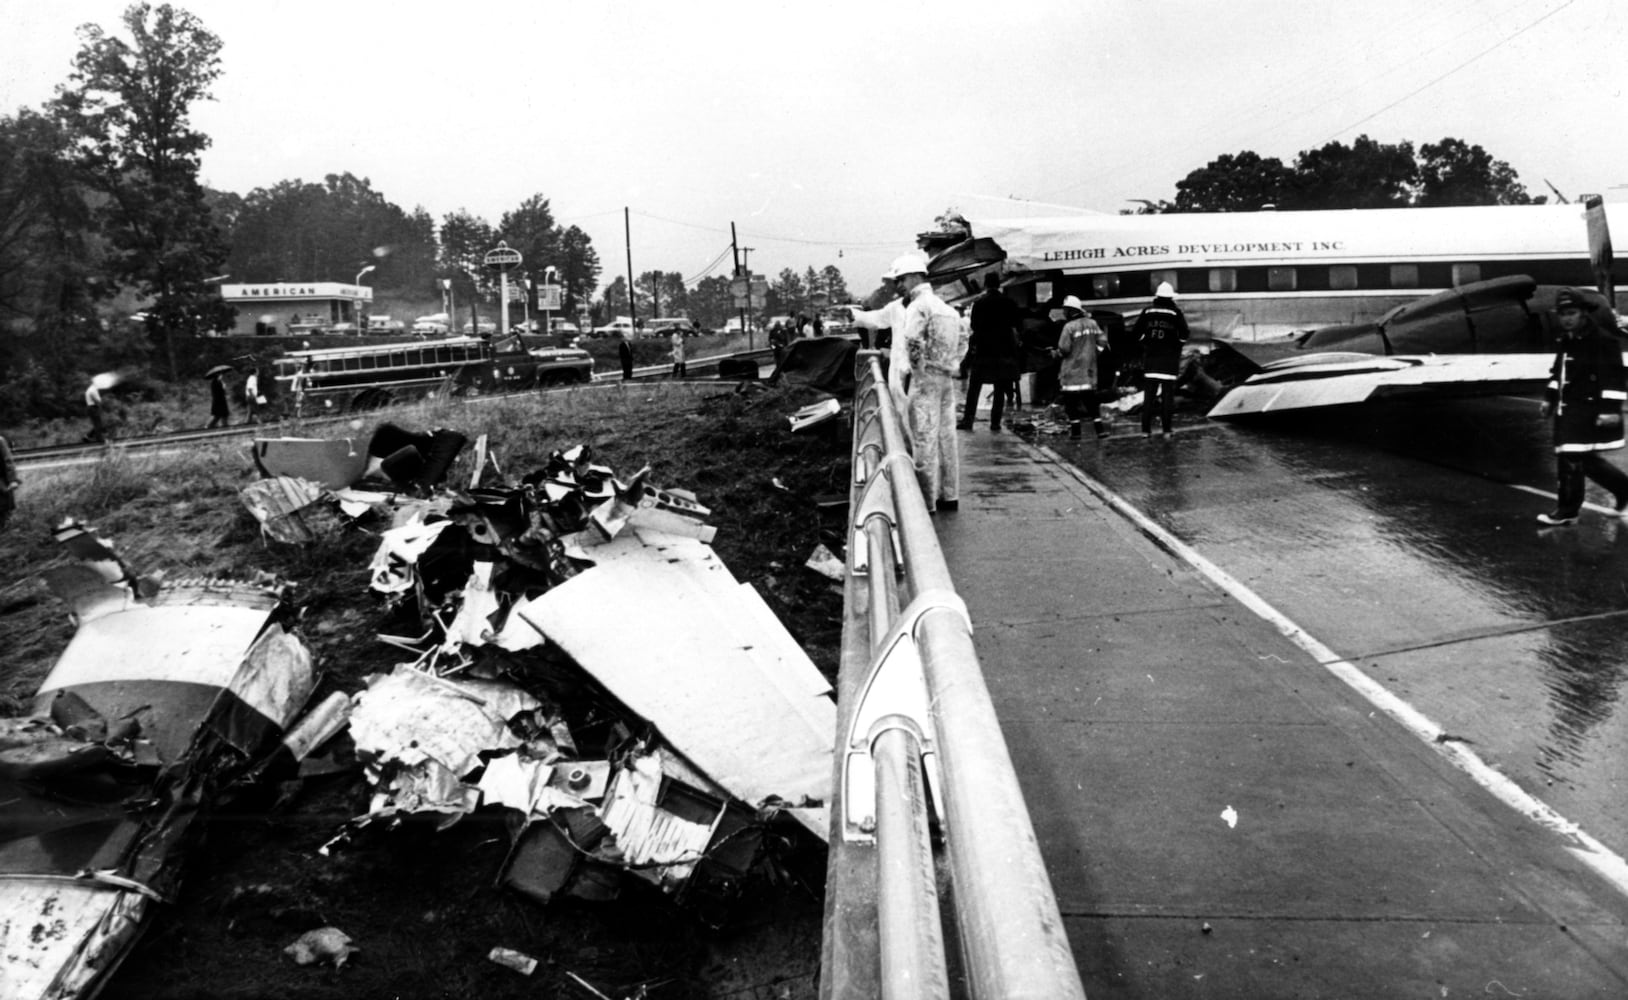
{"type": "Point", "coordinates": [921, 738]}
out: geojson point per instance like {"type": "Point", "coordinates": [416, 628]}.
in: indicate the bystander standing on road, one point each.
{"type": "Point", "coordinates": [625, 354]}
{"type": "Point", "coordinates": [677, 341]}
{"type": "Point", "coordinates": [93, 409]}
{"type": "Point", "coordinates": [1160, 331]}
{"type": "Point", "coordinates": [1081, 346]}
{"type": "Point", "coordinates": [935, 340]}
{"type": "Point", "coordinates": [10, 483]}
{"type": "Point", "coordinates": [252, 399]}
{"type": "Point", "coordinates": [220, 411]}
{"type": "Point", "coordinates": [890, 317]}
{"type": "Point", "coordinates": [1585, 394]}
{"type": "Point", "coordinates": [994, 353]}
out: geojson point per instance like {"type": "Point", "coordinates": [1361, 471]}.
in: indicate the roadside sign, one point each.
{"type": "Point", "coordinates": [548, 297]}
{"type": "Point", "coordinates": [760, 291]}
{"type": "Point", "coordinates": [502, 258]}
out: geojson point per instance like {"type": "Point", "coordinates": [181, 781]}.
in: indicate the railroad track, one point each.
{"type": "Point", "coordinates": [304, 426]}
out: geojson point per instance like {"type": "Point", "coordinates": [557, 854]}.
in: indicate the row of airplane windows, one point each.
{"type": "Point", "coordinates": [1323, 278]}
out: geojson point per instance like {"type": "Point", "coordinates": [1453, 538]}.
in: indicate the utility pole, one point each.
{"type": "Point", "coordinates": [744, 278]}
{"type": "Point", "coordinates": [632, 303]}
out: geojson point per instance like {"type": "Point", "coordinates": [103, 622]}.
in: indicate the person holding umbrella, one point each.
{"type": "Point", "coordinates": [219, 412]}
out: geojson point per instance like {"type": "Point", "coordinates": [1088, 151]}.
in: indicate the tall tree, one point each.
{"type": "Point", "coordinates": [665, 293]}
{"type": "Point", "coordinates": [787, 293]}
{"type": "Point", "coordinates": [531, 230]}
{"type": "Point", "coordinates": [614, 302]}
{"type": "Point", "coordinates": [1242, 182]}
{"type": "Point", "coordinates": [710, 302]}
{"type": "Point", "coordinates": [1365, 174]}
{"type": "Point", "coordinates": [299, 231]}
{"type": "Point", "coordinates": [1453, 172]}
{"type": "Point", "coordinates": [127, 105]}
{"type": "Point", "coordinates": [48, 255]}
{"type": "Point", "coordinates": [578, 268]}
{"type": "Point", "coordinates": [465, 241]}
{"type": "Point", "coordinates": [836, 286]}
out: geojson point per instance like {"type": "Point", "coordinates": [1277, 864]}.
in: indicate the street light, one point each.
{"type": "Point", "coordinates": [360, 317]}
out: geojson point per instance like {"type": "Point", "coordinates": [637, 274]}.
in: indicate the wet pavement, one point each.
{"type": "Point", "coordinates": [1222, 814]}
{"type": "Point", "coordinates": [1405, 540]}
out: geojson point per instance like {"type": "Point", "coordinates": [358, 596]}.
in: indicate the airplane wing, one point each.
{"type": "Point", "coordinates": [1319, 381]}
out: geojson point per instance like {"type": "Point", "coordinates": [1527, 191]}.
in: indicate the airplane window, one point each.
{"type": "Point", "coordinates": [1404, 276]}
{"type": "Point", "coordinates": [1280, 279]}
{"type": "Point", "coordinates": [1105, 286]}
{"type": "Point", "coordinates": [1342, 276]}
{"type": "Point", "coordinates": [1223, 279]}
{"type": "Point", "coordinates": [1463, 274]}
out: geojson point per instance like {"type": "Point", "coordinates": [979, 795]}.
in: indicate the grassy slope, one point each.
{"type": "Point", "coordinates": [422, 906]}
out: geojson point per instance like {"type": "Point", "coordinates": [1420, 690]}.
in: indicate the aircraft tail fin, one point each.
{"type": "Point", "coordinates": [1599, 246]}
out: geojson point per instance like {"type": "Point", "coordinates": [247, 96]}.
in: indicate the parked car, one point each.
{"type": "Point", "coordinates": [343, 328]}
{"type": "Point", "coordinates": [487, 328]}
{"type": "Point", "coordinates": [384, 324]}
{"type": "Point", "coordinates": [433, 325]}
{"type": "Point", "coordinates": [621, 326]}
{"type": "Point", "coordinates": [564, 328]}
{"type": "Point", "coordinates": [665, 326]}
{"type": "Point", "coordinates": [839, 319]}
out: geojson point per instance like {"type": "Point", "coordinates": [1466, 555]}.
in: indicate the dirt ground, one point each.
{"type": "Point", "coordinates": [423, 906]}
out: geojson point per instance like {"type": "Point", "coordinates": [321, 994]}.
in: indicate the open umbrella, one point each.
{"type": "Point", "coordinates": [219, 370]}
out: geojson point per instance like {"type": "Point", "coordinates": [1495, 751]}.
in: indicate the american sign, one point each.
{"type": "Point", "coordinates": [297, 290]}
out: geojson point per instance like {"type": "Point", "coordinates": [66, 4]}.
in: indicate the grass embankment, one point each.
{"type": "Point", "coordinates": [422, 905]}
{"type": "Point", "coordinates": [145, 405]}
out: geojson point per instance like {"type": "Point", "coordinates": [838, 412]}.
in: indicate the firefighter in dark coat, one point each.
{"type": "Point", "coordinates": [1585, 396]}
{"type": "Point", "coordinates": [1161, 332]}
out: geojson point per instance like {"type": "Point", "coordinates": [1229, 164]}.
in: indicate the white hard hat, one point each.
{"type": "Point", "coordinates": [1164, 291]}
{"type": "Point", "coordinates": [909, 263]}
{"type": "Point", "coordinates": [1073, 302]}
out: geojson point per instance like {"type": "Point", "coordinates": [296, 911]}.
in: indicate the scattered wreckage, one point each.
{"type": "Point", "coordinates": [166, 692]}
{"type": "Point", "coordinates": [575, 655]}
{"type": "Point", "coordinates": [514, 600]}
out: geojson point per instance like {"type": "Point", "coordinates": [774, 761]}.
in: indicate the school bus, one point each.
{"type": "Point", "coordinates": [344, 379]}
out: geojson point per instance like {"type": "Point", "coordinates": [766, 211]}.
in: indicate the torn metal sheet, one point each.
{"type": "Point", "coordinates": [198, 650]}
{"type": "Point", "coordinates": [742, 707]}
{"type": "Point", "coordinates": [399, 549]}
{"type": "Point", "coordinates": [283, 506]}
{"type": "Point", "coordinates": [423, 735]}
{"type": "Point", "coordinates": [814, 413]}
{"type": "Point", "coordinates": [409, 716]}
{"type": "Point", "coordinates": [60, 938]}
{"type": "Point", "coordinates": [330, 463]}
{"type": "Point", "coordinates": [199, 678]}
{"type": "Point", "coordinates": [535, 788]}
{"type": "Point", "coordinates": [824, 562]}
{"type": "Point", "coordinates": [648, 835]}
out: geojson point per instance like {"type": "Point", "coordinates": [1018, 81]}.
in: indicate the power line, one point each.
{"type": "Point", "coordinates": [1418, 90]}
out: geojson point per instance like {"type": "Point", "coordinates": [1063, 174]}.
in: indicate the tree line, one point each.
{"type": "Point", "coordinates": [1365, 174]}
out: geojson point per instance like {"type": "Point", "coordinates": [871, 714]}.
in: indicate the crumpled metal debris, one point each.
{"type": "Point", "coordinates": [468, 578]}
{"type": "Point", "coordinates": [454, 566]}
{"type": "Point", "coordinates": [167, 691]}
{"type": "Point", "coordinates": [325, 944]}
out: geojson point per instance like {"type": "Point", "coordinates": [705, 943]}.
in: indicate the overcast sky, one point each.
{"type": "Point", "coordinates": [831, 131]}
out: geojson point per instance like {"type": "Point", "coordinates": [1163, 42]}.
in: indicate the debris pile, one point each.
{"type": "Point", "coordinates": [581, 659]}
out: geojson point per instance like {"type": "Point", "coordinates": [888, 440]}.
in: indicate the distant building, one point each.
{"type": "Point", "coordinates": [296, 307]}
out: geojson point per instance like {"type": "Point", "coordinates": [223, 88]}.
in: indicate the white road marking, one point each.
{"type": "Point", "coordinates": [1607, 863]}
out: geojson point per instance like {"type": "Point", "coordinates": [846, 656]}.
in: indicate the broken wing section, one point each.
{"type": "Point", "coordinates": [737, 697]}
{"type": "Point", "coordinates": [1342, 380]}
